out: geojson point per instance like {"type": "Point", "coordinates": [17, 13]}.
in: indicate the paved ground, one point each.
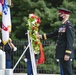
{"type": "Point", "coordinates": [37, 74]}
{"type": "Point", "coordinates": [10, 72]}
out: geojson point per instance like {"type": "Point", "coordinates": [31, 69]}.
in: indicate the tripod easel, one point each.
{"type": "Point", "coordinates": [31, 54]}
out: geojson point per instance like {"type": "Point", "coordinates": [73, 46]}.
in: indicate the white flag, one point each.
{"type": "Point", "coordinates": [0, 9]}
{"type": "Point", "coordinates": [5, 30]}
{"type": "Point", "coordinates": [9, 20]}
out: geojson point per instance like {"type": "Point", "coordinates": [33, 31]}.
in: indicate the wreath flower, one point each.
{"type": "Point", "coordinates": [33, 24]}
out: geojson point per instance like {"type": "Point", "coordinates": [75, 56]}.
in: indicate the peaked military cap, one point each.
{"type": "Point", "coordinates": [62, 10]}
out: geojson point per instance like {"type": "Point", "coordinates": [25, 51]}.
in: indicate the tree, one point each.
{"type": "Point", "coordinates": [45, 9]}
{"type": "Point", "coordinates": [21, 10]}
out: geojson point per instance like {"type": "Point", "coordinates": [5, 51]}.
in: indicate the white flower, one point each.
{"type": "Point", "coordinates": [33, 22]}
{"type": "Point", "coordinates": [30, 15]}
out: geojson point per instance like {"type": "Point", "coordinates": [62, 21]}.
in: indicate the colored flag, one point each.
{"type": "Point", "coordinates": [2, 2]}
{"type": "Point", "coordinates": [0, 9]}
{"type": "Point", "coordinates": [9, 20]}
{"type": "Point", "coordinates": [5, 30]}
{"type": "Point", "coordinates": [41, 59]}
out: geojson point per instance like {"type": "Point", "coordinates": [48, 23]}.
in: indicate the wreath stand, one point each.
{"type": "Point", "coordinates": [34, 68]}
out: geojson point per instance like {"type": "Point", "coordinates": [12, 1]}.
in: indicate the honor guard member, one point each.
{"type": "Point", "coordinates": [27, 59]}
{"type": "Point", "coordinates": [65, 41]}
{"type": "Point", "coordinates": [1, 45]}
{"type": "Point", "coordinates": [9, 48]}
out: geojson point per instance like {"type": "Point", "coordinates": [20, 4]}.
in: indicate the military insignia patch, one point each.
{"type": "Point", "coordinates": [70, 26]}
{"type": "Point", "coordinates": [62, 29]}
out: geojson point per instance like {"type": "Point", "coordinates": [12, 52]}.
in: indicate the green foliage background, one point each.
{"type": "Point", "coordinates": [47, 11]}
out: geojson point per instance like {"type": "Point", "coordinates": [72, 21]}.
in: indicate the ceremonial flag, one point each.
{"type": "Point", "coordinates": [9, 15]}
{"type": "Point", "coordinates": [0, 9]}
{"type": "Point", "coordinates": [9, 20]}
{"type": "Point", "coordinates": [5, 30]}
{"type": "Point", "coordinates": [2, 2]}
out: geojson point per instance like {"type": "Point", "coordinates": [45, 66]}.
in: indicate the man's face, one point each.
{"type": "Point", "coordinates": [61, 16]}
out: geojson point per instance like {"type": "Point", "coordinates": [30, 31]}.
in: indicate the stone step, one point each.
{"type": "Point", "coordinates": [37, 74]}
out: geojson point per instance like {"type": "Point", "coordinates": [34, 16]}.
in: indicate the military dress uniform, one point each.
{"type": "Point", "coordinates": [1, 46]}
{"type": "Point", "coordinates": [65, 44]}
{"type": "Point", "coordinates": [28, 58]}
{"type": "Point", "coordinates": [8, 50]}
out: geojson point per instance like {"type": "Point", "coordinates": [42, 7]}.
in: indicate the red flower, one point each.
{"type": "Point", "coordinates": [34, 27]}
{"type": "Point", "coordinates": [36, 17]}
{"type": "Point", "coordinates": [32, 16]}
{"type": "Point", "coordinates": [36, 42]}
{"type": "Point", "coordinates": [38, 20]}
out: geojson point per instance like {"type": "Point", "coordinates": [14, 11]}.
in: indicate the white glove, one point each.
{"type": "Point", "coordinates": [0, 40]}
{"type": "Point", "coordinates": [15, 48]}
{"type": "Point", "coordinates": [25, 59]}
{"type": "Point", "coordinates": [57, 60]}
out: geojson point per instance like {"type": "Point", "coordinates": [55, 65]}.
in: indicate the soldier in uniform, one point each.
{"type": "Point", "coordinates": [65, 41]}
{"type": "Point", "coordinates": [27, 59]}
{"type": "Point", "coordinates": [9, 48]}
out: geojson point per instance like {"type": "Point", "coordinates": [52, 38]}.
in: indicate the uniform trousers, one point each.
{"type": "Point", "coordinates": [66, 67]}
{"type": "Point", "coordinates": [29, 67]}
{"type": "Point", "coordinates": [8, 64]}
{"type": "Point", "coordinates": [61, 70]}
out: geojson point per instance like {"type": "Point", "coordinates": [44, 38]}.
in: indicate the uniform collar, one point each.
{"type": "Point", "coordinates": [64, 22]}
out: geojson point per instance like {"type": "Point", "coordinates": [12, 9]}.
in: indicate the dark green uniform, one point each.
{"type": "Point", "coordinates": [65, 45]}
{"type": "Point", "coordinates": [65, 40]}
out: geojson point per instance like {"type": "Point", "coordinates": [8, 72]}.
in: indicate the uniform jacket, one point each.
{"type": "Point", "coordinates": [65, 40]}
{"type": "Point", "coordinates": [27, 53]}
{"type": "Point", "coordinates": [8, 51]}
{"type": "Point", "coordinates": [1, 46]}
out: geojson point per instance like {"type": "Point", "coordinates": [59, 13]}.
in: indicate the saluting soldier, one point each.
{"type": "Point", "coordinates": [65, 41]}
